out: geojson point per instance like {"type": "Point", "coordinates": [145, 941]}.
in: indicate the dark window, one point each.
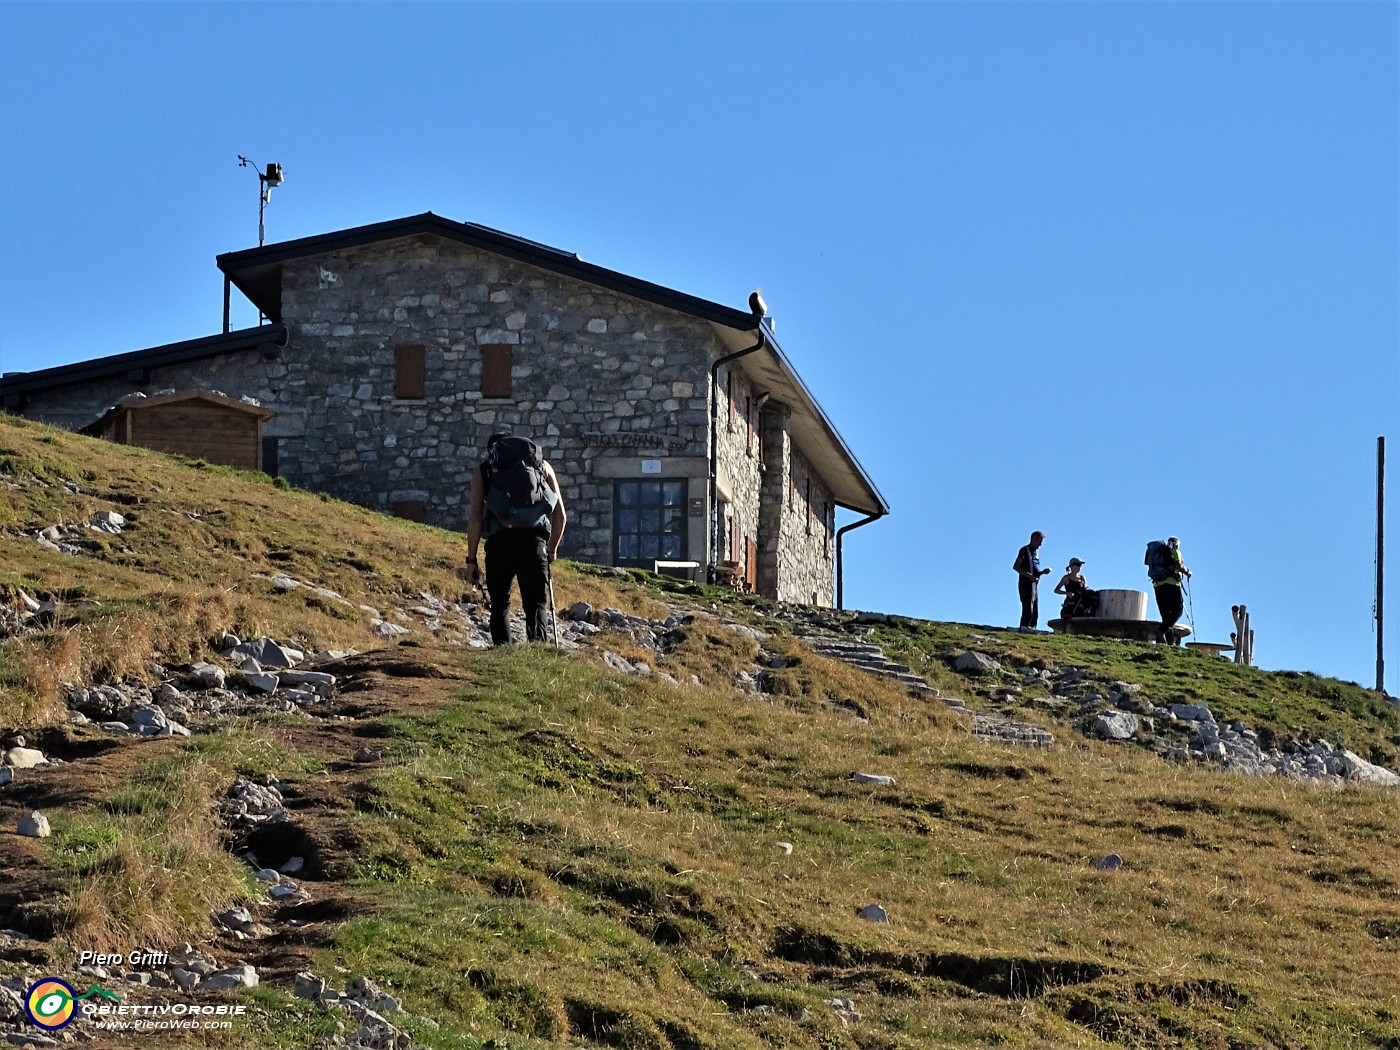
{"type": "Point", "coordinates": [410, 509]}
{"type": "Point", "coordinates": [410, 372]}
{"type": "Point", "coordinates": [733, 404]}
{"type": "Point", "coordinates": [495, 370]}
{"type": "Point", "coordinates": [649, 522]}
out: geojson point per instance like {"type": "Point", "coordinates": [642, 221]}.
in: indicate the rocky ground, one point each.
{"type": "Point", "coordinates": [291, 838]}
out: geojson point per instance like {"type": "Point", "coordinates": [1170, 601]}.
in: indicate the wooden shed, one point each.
{"type": "Point", "coordinates": [202, 424]}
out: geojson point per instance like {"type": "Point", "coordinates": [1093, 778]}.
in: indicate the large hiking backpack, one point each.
{"type": "Point", "coordinates": [1160, 562]}
{"type": "Point", "coordinates": [517, 494]}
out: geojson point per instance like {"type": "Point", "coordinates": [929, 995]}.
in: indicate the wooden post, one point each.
{"type": "Point", "coordinates": [1243, 636]}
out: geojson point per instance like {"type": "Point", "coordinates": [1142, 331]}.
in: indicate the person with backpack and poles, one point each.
{"type": "Point", "coordinates": [1166, 570]}
{"type": "Point", "coordinates": [1027, 567]}
{"type": "Point", "coordinates": [515, 503]}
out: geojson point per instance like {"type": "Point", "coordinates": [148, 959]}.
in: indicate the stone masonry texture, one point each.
{"type": "Point", "coordinates": [614, 390]}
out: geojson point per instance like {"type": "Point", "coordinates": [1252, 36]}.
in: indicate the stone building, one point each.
{"type": "Point", "coordinates": [392, 352]}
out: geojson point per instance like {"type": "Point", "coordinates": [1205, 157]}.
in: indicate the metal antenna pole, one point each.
{"type": "Point", "coordinates": [1380, 565]}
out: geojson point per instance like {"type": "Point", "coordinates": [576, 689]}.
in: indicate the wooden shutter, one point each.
{"type": "Point", "coordinates": [495, 370]}
{"type": "Point", "coordinates": [729, 390]}
{"type": "Point", "coordinates": [751, 566]}
{"type": "Point", "coordinates": [410, 372]}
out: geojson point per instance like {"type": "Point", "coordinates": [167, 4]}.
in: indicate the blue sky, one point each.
{"type": "Point", "coordinates": [1109, 270]}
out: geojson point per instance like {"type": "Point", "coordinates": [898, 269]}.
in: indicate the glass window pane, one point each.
{"type": "Point", "coordinates": [651, 547]}
{"type": "Point", "coordinates": [627, 521]}
{"type": "Point", "coordinates": [673, 493]}
{"type": "Point", "coordinates": [627, 547]}
{"type": "Point", "coordinates": [651, 522]}
{"type": "Point", "coordinates": [671, 547]}
{"type": "Point", "coordinates": [627, 493]}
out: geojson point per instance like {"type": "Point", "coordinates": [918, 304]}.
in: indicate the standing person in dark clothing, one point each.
{"type": "Point", "coordinates": [1027, 567]}
{"type": "Point", "coordinates": [516, 504]}
{"type": "Point", "coordinates": [1165, 568]}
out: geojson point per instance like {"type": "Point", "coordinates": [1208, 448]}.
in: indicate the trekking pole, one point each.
{"type": "Point", "coordinates": [553, 616]}
{"type": "Point", "coordinates": [1190, 605]}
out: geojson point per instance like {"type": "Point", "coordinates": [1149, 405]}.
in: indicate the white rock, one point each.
{"type": "Point", "coordinates": [34, 825]}
{"type": "Point", "coordinates": [872, 778]}
{"type": "Point", "coordinates": [238, 977]}
{"type": "Point", "coordinates": [24, 758]}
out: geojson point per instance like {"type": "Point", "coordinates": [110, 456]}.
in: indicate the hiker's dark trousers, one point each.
{"type": "Point", "coordinates": [513, 554]}
{"type": "Point", "coordinates": [1169, 604]}
{"type": "Point", "coordinates": [1030, 601]}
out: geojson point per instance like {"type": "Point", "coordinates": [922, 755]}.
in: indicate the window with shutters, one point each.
{"type": "Point", "coordinates": [496, 361]}
{"type": "Point", "coordinates": [649, 522]}
{"type": "Point", "coordinates": [410, 372]}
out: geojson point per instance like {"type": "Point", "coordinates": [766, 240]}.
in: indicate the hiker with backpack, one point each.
{"type": "Point", "coordinates": [1165, 569]}
{"type": "Point", "coordinates": [516, 504]}
{"type": "Point", "coordinates": [1027, 567]}
{"type": "Point", "coordinates": [1079, 599]}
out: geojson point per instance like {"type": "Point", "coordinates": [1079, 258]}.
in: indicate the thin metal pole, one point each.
{"type": "Point", "coordinates": [1380, 565]}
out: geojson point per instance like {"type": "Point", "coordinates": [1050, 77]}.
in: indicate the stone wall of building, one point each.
{"type": "Point", "coordinates": [614, 389]}
{"type": "Point", "coordinates": [808, 546]}
{"type": "Point", "coordinates": [245, 373]}
{"type": "Point", "coordinates": [740, 462]}
{"type": "Point", "coordinates": [610, 387]}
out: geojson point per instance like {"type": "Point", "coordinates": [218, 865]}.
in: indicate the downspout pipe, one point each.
{"type": "Point", "coordinates": [714, 440]}
{"type": "Point", "coordinates": [841, 535]}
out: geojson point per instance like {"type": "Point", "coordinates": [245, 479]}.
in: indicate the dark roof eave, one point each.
{"type": "Point", "coordinates": [240, 265]}
{"type": "Point", "coordinates": [17, 383]}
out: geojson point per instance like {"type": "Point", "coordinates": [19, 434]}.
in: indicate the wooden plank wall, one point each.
{"type": "Point", "coordinates": [200, 430]}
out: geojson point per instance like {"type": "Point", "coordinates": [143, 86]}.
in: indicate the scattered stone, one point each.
{"type": "Point", "coordinates": [1110, 863]}
{"type": "Point", "coordinates": [238, 977]}
{"type": "Point", "coordinates": [307, 985]}
{"type": "Point", "coordinates": [34, 825]}
{"type": "Point", "coordinates": [206, 676]}
{"type": "Point", "coordinates": [25, 758]}
{"type": "Point", "coordinates": [786, 847]}
{"type": "Point", "coordinates": [872, 778]}
{"type": "Point", "coordinates": [262, 683]}
{"type": "Point", "coordinates": [873, 913]}
{"type": "Point", "coordinates": [367, 754]}
{"type": "Point", "coordinates": [975, 663]}
{"type": "Point", "coordinates": [580, 611]}
{"type": "Point", "coordinates": [184, 979]}
{"type": "Point", "coordinates": [1115, 725]}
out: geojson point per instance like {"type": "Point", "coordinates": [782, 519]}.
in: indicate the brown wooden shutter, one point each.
{"type": "Point", "coordinates": [751, 566]}
{"type": "Point", "coordinates": [410, 372]}
{"type": "Point", "coordinates": [495, 370]}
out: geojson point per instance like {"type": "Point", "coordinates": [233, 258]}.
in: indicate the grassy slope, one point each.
{"type": "Point", "coordinates": [561, 855]}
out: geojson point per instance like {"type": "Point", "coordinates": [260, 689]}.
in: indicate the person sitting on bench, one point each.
{"type": "Point", "coordinates": [1079, 599]}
